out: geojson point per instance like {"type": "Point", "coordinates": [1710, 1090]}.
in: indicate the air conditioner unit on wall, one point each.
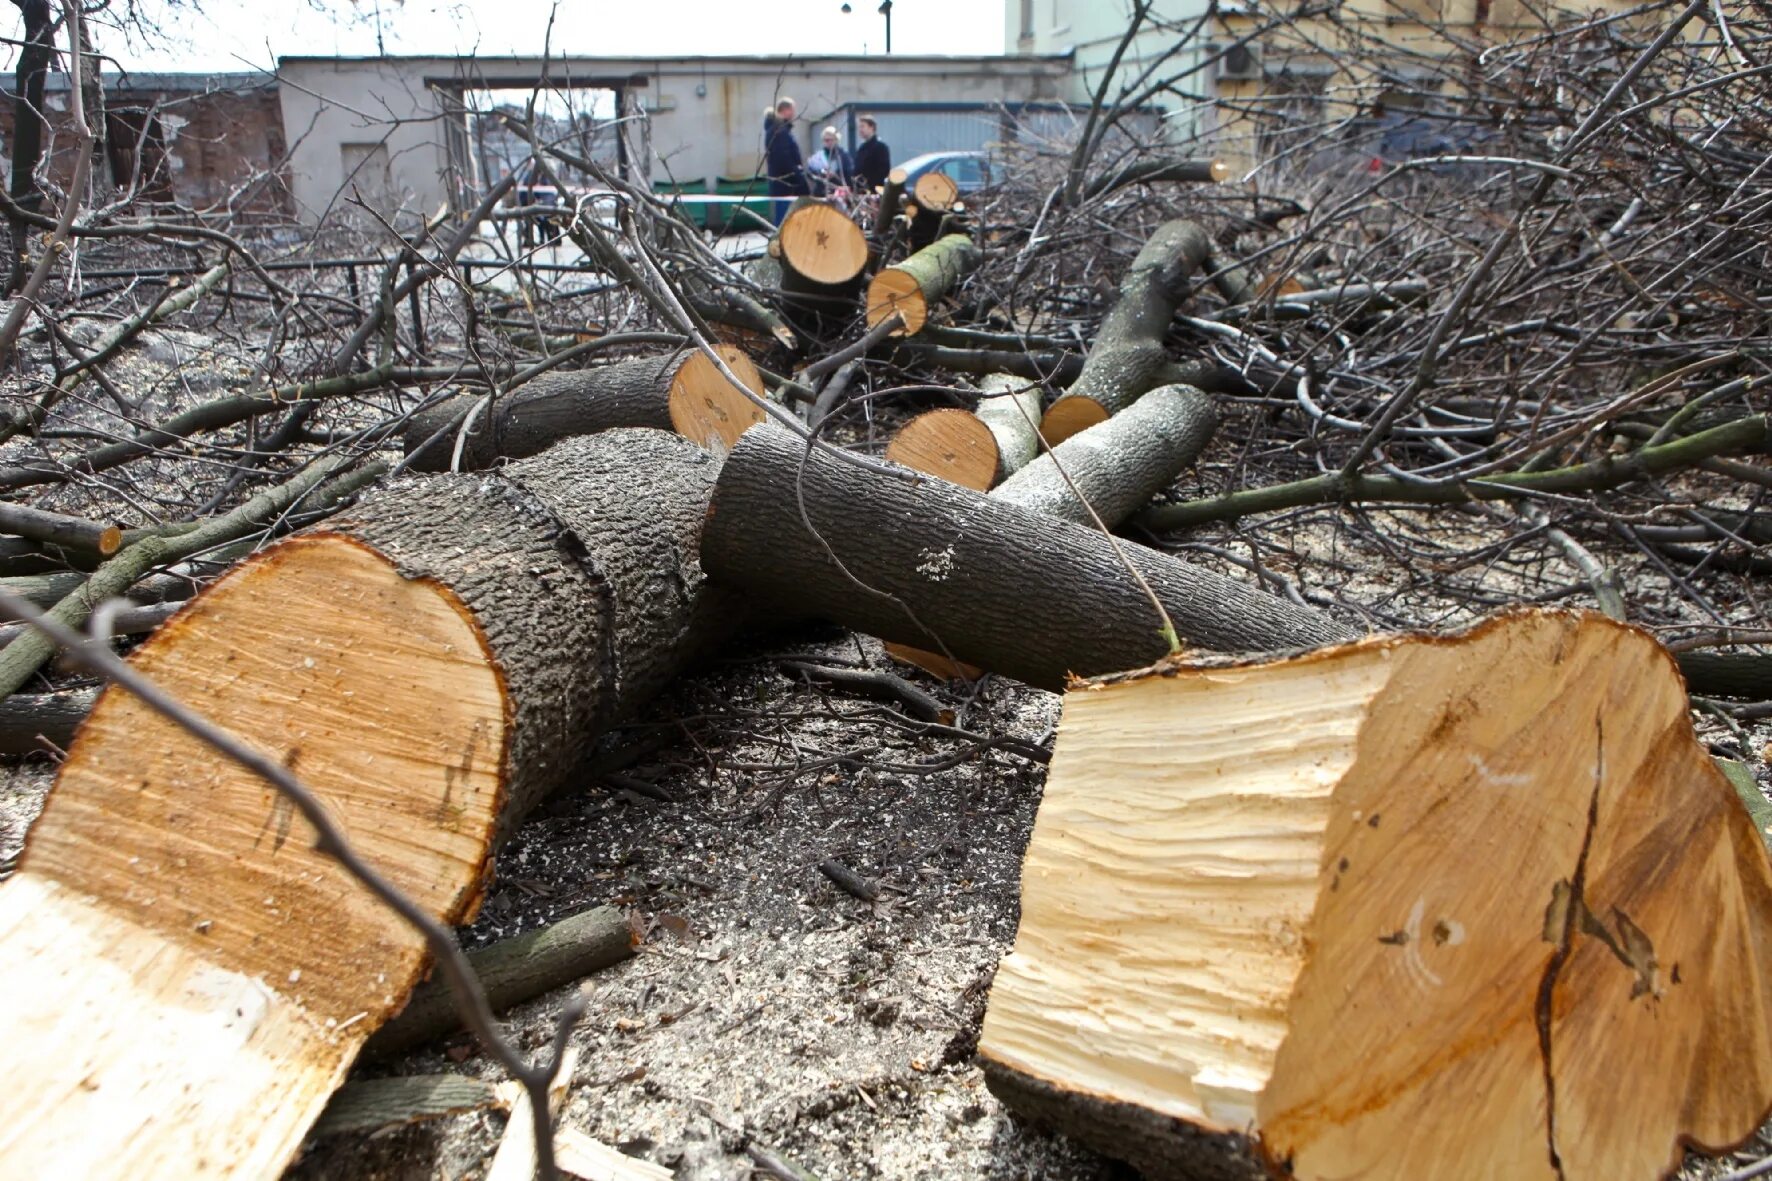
{"type": "Point", "coordinates": [1241, 63]}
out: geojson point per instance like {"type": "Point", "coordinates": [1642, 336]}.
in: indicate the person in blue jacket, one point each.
{"type": "Point", "coordinates": [781, 157]}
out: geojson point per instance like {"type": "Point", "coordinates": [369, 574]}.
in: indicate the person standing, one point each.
{"type": "Point", "coordinates": [830, 169]}
{"type": "Point", "coordinates": [873, 159]}
{"type": "Point", "coordinates": [782, 162]}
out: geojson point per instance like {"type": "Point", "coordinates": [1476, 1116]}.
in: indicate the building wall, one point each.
{"type": "Point", "coordinates": [208, 144]}
{"type": "Point", "coordinates": [706, 113]}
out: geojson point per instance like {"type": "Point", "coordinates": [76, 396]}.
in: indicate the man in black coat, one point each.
{"type": "Point", "coordinates": [782, 163]}
{"type": "Point", "coordinates": [873, 159]}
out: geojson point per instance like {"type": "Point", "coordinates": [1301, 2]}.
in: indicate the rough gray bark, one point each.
{"type": "Point", "coordinates": [933, 565]}
{"type": "Point", "coordinates": [1010, 409]}
{"type": "Point", "coordinates": [27, 718]}
{"type": "Point", "coordinates": [538, 414]}
{"type": "Point", "coordinates": [1118, 465]}
{"type": "Point", "coordinates": [580, 567]}
{"type": "Point", "coordinates": [1128, 357]}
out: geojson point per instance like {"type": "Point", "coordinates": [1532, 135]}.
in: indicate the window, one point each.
{"type": "Point", "coordinates": [966, 171]}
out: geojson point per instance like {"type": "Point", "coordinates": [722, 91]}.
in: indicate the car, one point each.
{"type": "Point", "coordinates": [970, 171]}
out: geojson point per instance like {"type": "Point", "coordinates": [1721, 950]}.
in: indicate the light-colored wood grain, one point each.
{"type": "Point", "coordinates": [950, 443]}
{"type": "Point", "coordinates": [1316, 902]}
{"type": "Point", "coordinates": [1070, 416]}
{"type": "Point", "coordinates": [705, 405]}
{"type": "Point", "coordinates": [591, 1160]}
{"type": "Point", "coordinates": [184, 978]}
{"type": "Point", "coordinates": [936, 191]}
{"type": "Point", "coordinates": [892, 291]}
{"type": "Point", "coordinates": [821, 242]}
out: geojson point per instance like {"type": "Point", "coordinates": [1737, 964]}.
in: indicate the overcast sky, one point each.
{"type": "Point", "coordinates": [243, 34]}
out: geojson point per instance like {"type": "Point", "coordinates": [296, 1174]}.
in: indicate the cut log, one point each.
{"type": "Point", "coordinates": [1116, 466]}
{"type": "Point", "coordinates": [1128, 357]}
{"type": "Point", "coordinates": [914, 284]}
{"type": "Point", "coordinates": [375, 1103]}
{"type": "Point", "coordinates": [185, 977]}
{"type": "Point", "coordinates": [1199, 172]}
{"type": "Point", "coordinates": [30, 720]}
{"type": "Point", "coordinates": [943, 566]}
{"type": "Point", "coordinates": [1469, 907]}
{"type": "Point", "coordinates": [682, 391]}
{"type": "Point", "coordinates": [820, 242]}
{"type": "Point", "coordinates": [60, 529]}
{"type": "Point", "coordinates": [935, 191]}
{"type": "Point", "coordinates": [975, 450]}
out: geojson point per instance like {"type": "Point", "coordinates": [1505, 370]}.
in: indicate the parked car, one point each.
{"type": "Point", "coordinates": [970, 171]}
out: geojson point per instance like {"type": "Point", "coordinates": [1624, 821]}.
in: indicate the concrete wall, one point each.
{"type": "Point", "coordinates": [706, 113]}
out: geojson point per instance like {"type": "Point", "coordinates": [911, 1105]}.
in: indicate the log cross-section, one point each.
{"type": "Point", "coordinates": [184, 977]}
{"type": "Point", "coordinates": [1478, 906]}
{"type": "Point", "coordinates": [912, 287]}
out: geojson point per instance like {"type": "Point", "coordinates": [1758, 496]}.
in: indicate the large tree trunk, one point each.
{"type": "Point", "coordinates": [927, 563]}
{"type": "Point", "coordinates": [1128, 356]}
{"type": "Point", "coordinates": [683, 391]}
{"type": "Point", "coordinates": [816, 261]}
{"type": "Point", "coordinates": [186, 978]}
{"type": "Point", "coordinates": [912, 287]}
{"type": "Point", "coordinates": [1103, 474]}
{"type": "Point", "coordinates": [1416, 907]}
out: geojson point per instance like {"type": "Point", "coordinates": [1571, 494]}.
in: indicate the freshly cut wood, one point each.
{"type": "Point", "coordinates": [512, 971]}
{"type": "Point", "coordinates": [936, 191]}
{"type": "Point", "coordinates": [821, 242]}
{"type": "Point", "coordinates": [578, 1155]}
{"type": "Point", "coordinates": [1128, 356]}
{"type": "Point", "coordinates": [516, 1156]}
{"type": "Point", "coordinates": [60, 529]}
{"type": "Point", "coordinates": [1414, 907]}
{"type": "Point", "coordinates": [975, 450]}
{"type": "Point", "coordinates": [682, 391]}
{"type": "Point", "coordinates": [891, 201]}
{"type": "Point", "coordinates": [185, 977]}
{"type": "Point", "coordinates": [941, 566]}
{"type": "Point", "coordinates": [1116, 466]}
{"type": "Point", "coordinates": [914, 284]}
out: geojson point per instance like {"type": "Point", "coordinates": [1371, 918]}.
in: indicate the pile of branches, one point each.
{"type": "Point", "coordinates": [1484, 330]}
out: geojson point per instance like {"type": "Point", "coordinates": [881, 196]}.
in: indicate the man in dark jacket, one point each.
{"type": "Point", "coordinates": [873, 159]}
{"type": "Point", "coordinates": [781, 157]}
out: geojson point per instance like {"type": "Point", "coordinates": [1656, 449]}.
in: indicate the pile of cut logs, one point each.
{"type": "Point", "coordinates": [1325, 905]}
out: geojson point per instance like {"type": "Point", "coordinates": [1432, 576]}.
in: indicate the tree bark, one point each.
{"type": "Point", "coordinates": [430, 665]}
{"type": "Point", "coordinates": [512, 971]}
{"type": "Point", "coordinates": [1116, 466]}
{"type": "Point", "coordinates": [1407, 908]}
{"type": "Point", "coordinates": [1195, 172]}
{"type": "Point", "coordinates": [927, 563]}
{"type": "Point", "coordinates": [1128, 356]}
{"type": "Point", "coordinates": [27, 719]}
{"type": "Point", "coordinates": [676, 391]}
{"type": "Point", "coordinates": [911, 287]}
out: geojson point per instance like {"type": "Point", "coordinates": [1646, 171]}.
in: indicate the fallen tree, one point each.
{"type": "Point", "coordinates": [1127, 357]}
{"type": "Point", "coordinates": [1392, 910]}
{"type": "Point", "coordinates": [682, 391]}
{"type": "Point", "coordinates": [431, 664]}
{"type": "Point", "coordinates": [930, 564]}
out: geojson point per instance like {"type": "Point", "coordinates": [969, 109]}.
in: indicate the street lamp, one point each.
{"type": "Point", "coordinates": [884, 10]}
